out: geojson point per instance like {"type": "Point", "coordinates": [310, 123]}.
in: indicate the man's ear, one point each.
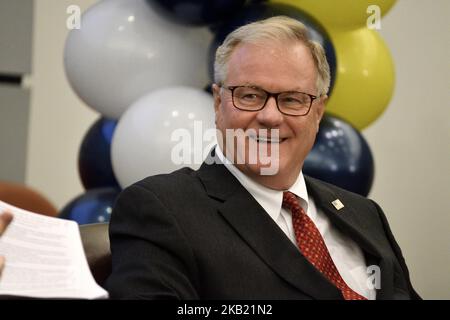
{"type": "Point", "coordinates": [216, 96]}
{"type": "Point", "coordinates": [217, 100]}
{"type": "Point", "coordinates": [320, 109]}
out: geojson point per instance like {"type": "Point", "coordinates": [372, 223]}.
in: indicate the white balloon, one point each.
{"type": "Point", "coordinates": [163, 131]}
{"type": "Point", "coordinates": [124, 49]}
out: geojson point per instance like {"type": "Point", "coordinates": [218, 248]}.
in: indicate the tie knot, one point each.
{"type": "Point", "coordinates": [290, 201]}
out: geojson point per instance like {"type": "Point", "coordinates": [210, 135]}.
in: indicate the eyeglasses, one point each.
{"type": "Point", "coordinates": [292, 103]}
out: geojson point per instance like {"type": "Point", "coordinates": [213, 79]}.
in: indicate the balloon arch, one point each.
{"type": "Point", "coordinates": [143, 66]}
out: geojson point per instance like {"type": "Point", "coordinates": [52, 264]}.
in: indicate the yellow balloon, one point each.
{"type": "Point", "coordinates": [347, 14]}
{"type": "Point", "coordinates": [365, 76]}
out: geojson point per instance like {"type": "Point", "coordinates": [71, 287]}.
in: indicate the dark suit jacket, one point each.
{"type": "Point", "coordinates": [201, 235]}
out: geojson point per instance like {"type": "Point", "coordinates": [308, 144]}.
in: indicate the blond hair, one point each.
{"type": "Point", "coordinates": [275, 28]}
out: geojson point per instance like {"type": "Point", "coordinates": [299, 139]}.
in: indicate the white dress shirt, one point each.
{"type": "Point", "coordinates": [346, 254]}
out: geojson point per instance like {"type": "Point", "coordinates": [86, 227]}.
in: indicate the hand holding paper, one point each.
{"type": "Point", "coordinates": [44, 258]}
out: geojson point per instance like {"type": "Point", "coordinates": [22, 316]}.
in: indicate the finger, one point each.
{"type": "Point", "coordinates": [2, 263]}
{"type": "Point", "coordinates": [5, 219]}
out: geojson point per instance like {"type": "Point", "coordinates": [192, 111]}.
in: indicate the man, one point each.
{"type": "Point", "coordinates": [5, 219]}
{"type": "Point", "coordinates": [228, 231]}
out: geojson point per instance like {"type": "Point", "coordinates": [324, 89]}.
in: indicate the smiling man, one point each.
{"type": "Point", "coordinates": [276, 81]}
{"type": "Point", "coordinates": [231, 231]}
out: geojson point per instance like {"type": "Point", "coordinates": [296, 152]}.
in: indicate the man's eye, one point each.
{"type": "Point", "coordinates": [291, 100]}
{"type": "Point", "coordinates": [250, 96]}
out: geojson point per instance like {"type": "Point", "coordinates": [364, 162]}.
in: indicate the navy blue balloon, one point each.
{"type": "Point", "coordinates": [208, 88]}
{"type": "Point", "coordinates": [196, 12]}
{"type": "Point", "coordinates": [93, 206]}
{"type": "Point", "coordinates": [341, 156]}
{"type": "Point", "coordinates": [94, 157]}
{"type": "Point", "coordinates": [259, 11]}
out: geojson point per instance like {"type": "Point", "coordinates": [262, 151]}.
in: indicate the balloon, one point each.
{"type": "Point", "coordinates": [26, 198]}
{"type": "Point", "coordinates": [341, 156]}
{"type": "Point", "coordinates": [94, 206]}
{"type": "Point", "coordinates": [208, 88]}
{"type": "Point", "coordinates": [334, 14]}
{"type": "Point", "coordinates": [198, 12]}
{"type": "Point", "coordinates": [163, 131]}
{"type": "Point", "coordinates": [124, 49]}
{"type": "Point", "coordinates": [94, 157]}
{"type": "Point", "coordinates": [365, 77]}
{"type": "Point", "coordinates": [259, 11]}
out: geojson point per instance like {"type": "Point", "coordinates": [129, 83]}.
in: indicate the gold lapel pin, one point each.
{"type": "Point", "coordinates": [337, 204]}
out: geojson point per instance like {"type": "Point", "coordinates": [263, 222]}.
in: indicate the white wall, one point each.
{"type": "Point", "coordinates": [58, 119]}
{"type": "Point", "coordinates": [410, 142]}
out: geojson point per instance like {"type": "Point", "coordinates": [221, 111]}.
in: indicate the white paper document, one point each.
{"type": "Point", "coordinates": [45, 258]}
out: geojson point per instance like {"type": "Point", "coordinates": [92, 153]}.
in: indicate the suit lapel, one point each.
{"type": "Point", "coordinates": [346, 219]}
{"type": "Point", "coordinates": [269, 242]}
{"type": "Point", "coordinates": [260, 232]}
{"type": "Point", "coordinates": [354, 224]}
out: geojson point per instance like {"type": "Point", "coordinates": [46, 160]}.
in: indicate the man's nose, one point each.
{"type": "Point", "coordinates": [270, 116]}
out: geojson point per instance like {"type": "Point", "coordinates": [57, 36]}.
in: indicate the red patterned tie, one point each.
{"type": "Point", "coordinates": [312, 246]}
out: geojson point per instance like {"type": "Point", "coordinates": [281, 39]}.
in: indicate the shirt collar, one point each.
{"type": "Point", "coordinates": [271, 200]}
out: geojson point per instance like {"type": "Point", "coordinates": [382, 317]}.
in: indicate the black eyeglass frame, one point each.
{"type": "Point", "coordinates": [270, 94]}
